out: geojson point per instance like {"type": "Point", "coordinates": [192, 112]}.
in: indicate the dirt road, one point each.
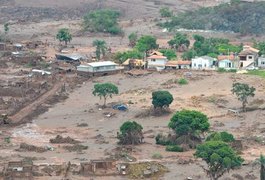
{"type": "Point", "coordinates": [27, 110]}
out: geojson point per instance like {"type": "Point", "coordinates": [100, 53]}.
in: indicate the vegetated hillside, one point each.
{"type": "Point", "coordinates": [37, 10]}
{"type": "Point", "coordinates": [240, 17]}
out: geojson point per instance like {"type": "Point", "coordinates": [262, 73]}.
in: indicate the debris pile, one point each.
{"type": "Point", "coordinates": [61, 140]}
{"type": "Point", "coordinates": [146, 170]}
{"type": "Point", "coordinates": [27, 147]}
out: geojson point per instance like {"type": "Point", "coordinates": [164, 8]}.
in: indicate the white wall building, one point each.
{"type": "Point", "coordinates": [204, 62]}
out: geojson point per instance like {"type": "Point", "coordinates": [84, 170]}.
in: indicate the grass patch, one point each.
{"type": "Point", "coordinates": [222, 70]}
{"type": "Point", "coordinates": [157, 156]}
{"type": "Point", "coordinates": [260, 73]}
{"type": "Point", "coordinates": [174, 148]}
{"type": "Point", "coordinates": [182, 81]}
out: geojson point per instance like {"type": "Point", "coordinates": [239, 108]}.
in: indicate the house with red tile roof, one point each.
{"type": "Point", "coordinates": [157, 62]}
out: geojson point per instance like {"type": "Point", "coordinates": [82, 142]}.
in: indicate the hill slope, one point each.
{"type": "Point", "coordinates": [35, 10]}
{"type": "Point", "coordinates": [243, 17]}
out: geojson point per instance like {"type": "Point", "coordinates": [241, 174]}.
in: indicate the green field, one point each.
{"type": "Point", "coordinates": [260, 73]}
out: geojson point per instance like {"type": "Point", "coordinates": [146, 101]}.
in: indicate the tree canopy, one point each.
{"type": "Point", "coordinates": [169, 53]}
{"type": "Point", "coordinates": [105, 90]}
{"type": "Point", "coordinates": [104, 20]}
{"type": "Point", "coordinates": [219, 156]}
{"type": "Point", "coordinates": [161, 99]}
{"type": "Point", "coordinates": [243, 92]}
{"type": "Point", "coordinates": [187, 122]}
{"type": "Point", "coordinates": [178, 41]}
{"type": "Point", "coordinates": [130, 133]}
{"type": "Point", "coordinates": [165, 12]}
{"type": "Point", "coordinates": [100, 48]}
{"type": "Point", "coordinates": [64, 35]}
{"type": "Point", "coordinates": [146, 43]}
{"type": "Point", "coordinates": [120, 57]}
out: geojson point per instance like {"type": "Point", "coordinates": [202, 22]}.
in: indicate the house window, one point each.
{"type": "Point", "coordinates": [263, 62]}
{"type": "Point", "coordinates": [229, 65]}
{"type": "Point", "coordinates": [194, 64]}
{"type": "Point", "coordinates": [153, 60]}
{"type": "Point", "coordinates": [249, 57]}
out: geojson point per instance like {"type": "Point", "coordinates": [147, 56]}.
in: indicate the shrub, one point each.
{"type": "Point", "coordinates": [221, 136]}
{"type": "Point", "coordinates": [232, 70]}
{"type": "Point", "coordinates": [157, 156]}
{"type": "Point", "coordinates": [130, 133]}
{"type": "Point", "coordinates": [162, 140]}
{"type": "Point", "coordinates": [182, 81]}
{"type": "Point", "coordinates": [221, 70]}
{"type": "Point", "coordinates": [174, 148]}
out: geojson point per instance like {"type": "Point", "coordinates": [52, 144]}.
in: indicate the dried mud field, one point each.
{"type": "Point", "coordinates": [80, 118]}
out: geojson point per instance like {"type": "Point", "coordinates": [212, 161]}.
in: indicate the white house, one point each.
{"type": "Point", "coordinates": [156, 62]}
{"type": "Point", "coordinates": [204, 62]}
{"type": "Point", "coordinates": [227, 62]}
{"type": "Point", "coordinates": [248, 57]}
{"type": "Point", "coordinates": [98, 68]}
{"type": "Point", "coordinates": [261, 62]}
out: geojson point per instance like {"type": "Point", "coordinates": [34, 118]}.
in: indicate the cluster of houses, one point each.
{"type": "Point", "coordinates": [247, 59]}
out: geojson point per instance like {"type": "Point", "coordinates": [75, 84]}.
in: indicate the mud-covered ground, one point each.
{"type": "Point", "coordinates": [208, 92]}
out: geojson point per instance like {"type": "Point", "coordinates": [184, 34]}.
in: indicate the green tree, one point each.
{"type": "Point", "coordinates": [100, 48]}
{"type": "Point", "coordinates": [132, 39]}
{"type": "Point", "coordinates": [262, 167]}
{"type": "Point", "coordinates": [169, 53]}
{"type": "Point", "coordinates": [179, 40]}
{"type": "Point", "coordinates": [190, 123]}
{"type": "Point", "coordinates": [105, 90]}
{"type": "Point", "coordinates": [219, 156]}
{"type": "Point", "coordinates": [130, 133]}
{"type": "Point", "coordinates": [120, 57]}
{"type": "Point", "coordinates": [165, 12]}
{"type": "Point", "coordinates": [64, 35]}
{"type": "Point", "coordinates": [103, 20]}
{"type": "Point", "coordinates": [6, 27]}
{"type": "Point", "coordinates": [243, 92]}
{"type": "Point", "coordinates": [188, 55]}
{"type": "Point", "coordinates": [146, 43]}
{"type": "Point", "coordinates": [161, 99]}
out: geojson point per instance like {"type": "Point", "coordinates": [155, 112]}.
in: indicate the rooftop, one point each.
{"type": "Point", "coordinates": [101, 63]}
{"type": "Point", "coordinates": [226, 57]}
{"type": "Point", "coordinates": [175, 63]}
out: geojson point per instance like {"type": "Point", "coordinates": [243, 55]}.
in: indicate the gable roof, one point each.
{"type": "Point", "coordinates": [156, 53]}
{"type": "Point", "coordinates": [248, 50]}
{"type": "Point", "coordinates": [205, 58]}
